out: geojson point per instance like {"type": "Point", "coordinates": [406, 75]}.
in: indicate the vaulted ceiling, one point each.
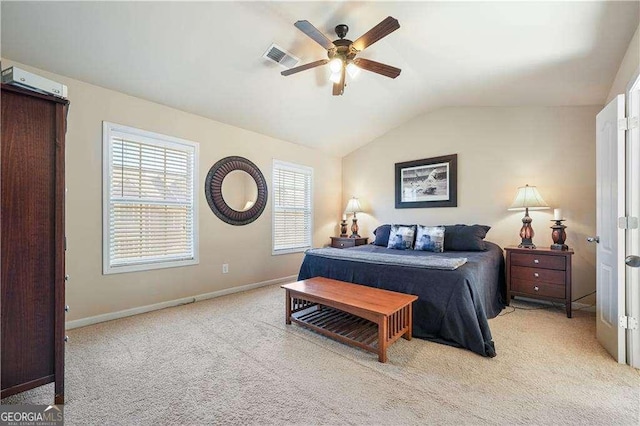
{"type": "Point", "coordinates": [206, 58]}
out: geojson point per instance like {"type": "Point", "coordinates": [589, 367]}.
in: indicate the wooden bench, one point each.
{"type": "Point", "coordinates": [367, 317]}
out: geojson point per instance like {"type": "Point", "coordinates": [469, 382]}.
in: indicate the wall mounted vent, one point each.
{"type": "Point", "coordinates": [280, 56]}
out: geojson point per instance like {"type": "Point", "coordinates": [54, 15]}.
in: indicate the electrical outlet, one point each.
{"type": "Point", "coordinates": [225, 268]}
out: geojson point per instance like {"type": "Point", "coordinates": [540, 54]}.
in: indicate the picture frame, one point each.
{"type": "Point", "coordinates": [426, 183]}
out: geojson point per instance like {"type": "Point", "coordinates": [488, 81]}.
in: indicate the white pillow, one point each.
{"type": "Point", "coordinates": [401, 237]}
{"type": "Point", "coordinates": [430, 238]}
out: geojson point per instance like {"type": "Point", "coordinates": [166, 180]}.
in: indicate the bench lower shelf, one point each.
{"type": "Point", "coordinates": [339, 325]}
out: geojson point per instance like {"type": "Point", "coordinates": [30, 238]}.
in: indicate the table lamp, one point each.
{"type": "Point", "coordinates": [353, 206]}
{"type": "Point", "coordinates": [527, 198]}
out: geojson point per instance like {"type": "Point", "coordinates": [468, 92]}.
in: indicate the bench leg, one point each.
{"type": "Point", "coordinates": [383, 329]}
{"type": "Point", "coordinates": [409, 319]}
{"type": "Point", "coordinates": [288, 309]}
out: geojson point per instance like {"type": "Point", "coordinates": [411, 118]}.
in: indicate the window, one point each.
{"type": "Point", "coordinates": [150, 211]}
{"type": "Point", "coordinates": [292, 212]}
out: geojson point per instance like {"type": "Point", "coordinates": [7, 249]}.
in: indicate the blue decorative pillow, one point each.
{"type": "Point", "coordinates": [401, 237]}
{"type": "Point", "coordinates": [465, 237]}
{"type": "Point", "coordinates": [382, 235]}
{"type": "Point", "coordinates": [430, 238]}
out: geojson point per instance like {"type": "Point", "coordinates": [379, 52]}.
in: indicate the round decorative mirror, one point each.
{"type": "Point", "coordinates": [236, 190]}
{"type": "Point", "coordinates": [239, 190]}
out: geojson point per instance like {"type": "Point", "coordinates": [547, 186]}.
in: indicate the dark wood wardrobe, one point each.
{"type": "Point", "coordinates": [32, 190]}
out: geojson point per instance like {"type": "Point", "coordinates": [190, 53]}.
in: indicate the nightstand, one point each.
{"type": "Point", "coordinates": [539, 274]}
{"type": "Point", "coordinates": [344, 242]}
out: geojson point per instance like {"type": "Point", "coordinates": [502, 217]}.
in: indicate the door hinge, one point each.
{"type": "Point", "coordinates": [629, 323]}
{"type": "Point", "coordinates": [628, 123]}
{"type": "Point", "coordinates": [623, 124]}
{"type": "Point", "coordinates": [628, 222]}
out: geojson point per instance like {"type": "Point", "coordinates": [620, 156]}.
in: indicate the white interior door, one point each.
{"type": "Point", "coordinates": [633, 235]}
{"type": "Point", "coordinates": [610, 205]}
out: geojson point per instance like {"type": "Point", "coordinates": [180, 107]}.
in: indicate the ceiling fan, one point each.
{"type": "Point", "coordinates": [342, 52]}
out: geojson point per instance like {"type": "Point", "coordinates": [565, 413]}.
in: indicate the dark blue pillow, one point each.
{"type": "Point", "coordinates": [465, 237]}
{"type": "Point", "coordinates": [382, 235]}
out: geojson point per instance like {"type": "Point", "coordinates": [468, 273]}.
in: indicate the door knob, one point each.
{"type": "Point", "coordinates": [633, 261]}
{"type": "Point", "coordinates": [593, 239]}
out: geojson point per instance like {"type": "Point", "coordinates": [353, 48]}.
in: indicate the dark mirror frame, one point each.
{"type": "Point", "coordinates": [213, 190]}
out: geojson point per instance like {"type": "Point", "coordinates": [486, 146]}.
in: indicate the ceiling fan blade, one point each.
{"type": "Point", "coordinates": [383, 29]}
{"type": "Point", "coordinates": [304, 67]}
{"type": "Point", "coordinates": [377, 67]}
{"type": "Point", "coordinates": [338, 88]}
{"type": "Point", "coordinates": [315, 34]}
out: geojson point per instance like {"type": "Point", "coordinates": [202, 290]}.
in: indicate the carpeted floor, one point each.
{"type": "Point", "coordinates": [232, 360]}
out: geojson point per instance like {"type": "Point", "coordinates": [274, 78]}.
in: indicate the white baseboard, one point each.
{"type": "Point", "coordinates": [82, 322]}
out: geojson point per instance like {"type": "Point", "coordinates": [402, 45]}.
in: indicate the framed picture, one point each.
{"type": "Point", "coordinates": [431, 182]}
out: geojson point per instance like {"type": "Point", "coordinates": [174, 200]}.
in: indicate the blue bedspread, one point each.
{"type": "Point", "coordinates": [452, 306]}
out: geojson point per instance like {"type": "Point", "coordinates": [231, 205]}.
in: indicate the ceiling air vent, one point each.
{"type": "Point", "coordinates": [277, 54]}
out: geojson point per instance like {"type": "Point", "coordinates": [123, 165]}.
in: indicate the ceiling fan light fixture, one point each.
{"type": "Point", "coordinates": [341, 53]}
{"type": "Point", "coordinates": [336, 65]}
{"type": "Point", "coordinates": [353, 70]}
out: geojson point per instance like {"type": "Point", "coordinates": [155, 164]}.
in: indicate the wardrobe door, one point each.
{"type": "Point", "coordinates": [28, 241]}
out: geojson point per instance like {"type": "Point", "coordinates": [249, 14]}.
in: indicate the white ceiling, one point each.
{"type": "Point", "coordinates": [206, 58]}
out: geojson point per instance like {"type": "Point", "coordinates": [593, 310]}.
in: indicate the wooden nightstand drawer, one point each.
{"type": "Point", "coordinates": [346, 242]}
{"type": "Point", "coordinates": [538, 275]}
{"type": "Point", "coordinates": [343, 242]}
{"type": "Point", "coordinates": [538, 261]}
{"type": "Point", "coordinates": [538, 288]}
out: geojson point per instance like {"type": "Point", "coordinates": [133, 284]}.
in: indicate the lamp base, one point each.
{"type": "Point", "coordinates": [526, 232]}
{"type": "Point", "coordinates": [354, 228]}
{"type": "Point", "coordinates": [527, 243]}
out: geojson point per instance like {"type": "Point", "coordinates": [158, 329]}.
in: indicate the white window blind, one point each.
{"type": "Point", "coordinates": [150, 210]}
{"type": "Point", "coordinates": [292, 207]}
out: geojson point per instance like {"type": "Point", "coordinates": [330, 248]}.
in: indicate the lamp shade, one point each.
{"type": "Point", "coordinates": [353, 206]}
{"type": "Point", "coordinates": [528, 197]}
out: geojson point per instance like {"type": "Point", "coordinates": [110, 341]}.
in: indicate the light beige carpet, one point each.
{"type": "Point", "coordinates": [232, 360]}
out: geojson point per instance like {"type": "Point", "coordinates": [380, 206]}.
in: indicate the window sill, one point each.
{"type": "Point", "coordinates": [290, 251]}
{"type": "Point", "coordinates": [108, 270]}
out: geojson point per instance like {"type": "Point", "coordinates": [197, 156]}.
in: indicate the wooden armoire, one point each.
{"type": "Point", "coordinates": [32, 250]}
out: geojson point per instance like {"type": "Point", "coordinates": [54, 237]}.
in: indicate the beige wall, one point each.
{"type": "Point", "coordinates": [247, 249]}
{"type": "Point", "coordinates": [499, 149]}
{"type": "Point", "coordinates": [629, 67]}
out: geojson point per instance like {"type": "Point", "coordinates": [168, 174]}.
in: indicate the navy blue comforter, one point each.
{"type": "Point", "coordinates": [452, 306]}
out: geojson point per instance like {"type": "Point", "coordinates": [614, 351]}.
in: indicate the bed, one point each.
{"type": "Point", "coordinates": [453, 306]}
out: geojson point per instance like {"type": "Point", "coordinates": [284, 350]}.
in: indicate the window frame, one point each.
{"type": "Point", "coordinates": [157, 139]}
{"type": "Point", "coordinates": [301, 169]}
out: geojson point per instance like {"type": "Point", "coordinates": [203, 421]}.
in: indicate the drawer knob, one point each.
{"type": "Point", "coordinates": [536, 288]}
{"type": "Point", "coordinates": [536, 261]}
{"type": "Point", "coordinates": [66, 308]}
{"type": "Point", "coordinates": [66, 338]}
{"type": "Point", "coordinates": [341, 244]}
{"type": "Point", "coordinates": [535, 274]}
